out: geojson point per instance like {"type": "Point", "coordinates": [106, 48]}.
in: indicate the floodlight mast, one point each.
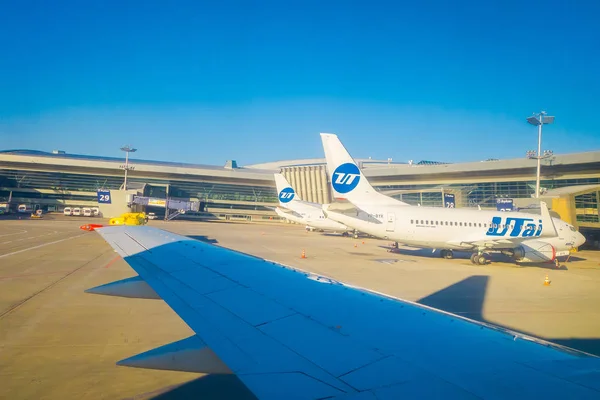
{"type": "Point", "coordinates": [127, 149]}
{"type": "Point", "coordinates": [539, 119]}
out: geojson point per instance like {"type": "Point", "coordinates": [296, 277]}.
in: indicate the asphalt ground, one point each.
{"type": "Point", "coordinates": [58, 342]}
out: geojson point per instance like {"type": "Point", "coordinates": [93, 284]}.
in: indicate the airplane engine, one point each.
{"type": "Point", "coordinates": [535, 251]}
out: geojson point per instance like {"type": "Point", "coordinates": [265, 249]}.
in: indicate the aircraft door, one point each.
{"type": "Point", "coordinates": [390, 225]}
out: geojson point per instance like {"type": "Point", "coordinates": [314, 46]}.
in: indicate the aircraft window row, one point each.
{"type": "Point", "coordinates": [454, 223]}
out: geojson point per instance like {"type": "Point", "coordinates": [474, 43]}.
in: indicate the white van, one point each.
{"type": "Point", "coordinates": [77, 211]}
{"type": "Point", "coordinates": [68, 211]}
{"type": "Point", "coordinates": [24, 208]}
{"type": "Point", "coordinates": [95, 211]}
{"type": "Point", "coordinates": [87, 212]}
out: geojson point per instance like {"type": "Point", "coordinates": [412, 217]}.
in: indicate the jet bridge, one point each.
{"type": "Point", "coordinates": [576, 205]}
{"type": "Point", "coordinates": [180, 206]}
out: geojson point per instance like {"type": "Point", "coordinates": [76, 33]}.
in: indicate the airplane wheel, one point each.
{"type": "Point", "coordinates": [481, 260]}
{"type": "Point", "coordinates": [447, 254]}
{"type": "Point", "coordinates": [473, 258]}
{"type": "Point", "coordinates": [355, 236]}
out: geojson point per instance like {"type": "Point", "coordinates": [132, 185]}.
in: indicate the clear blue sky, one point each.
{"type": "Point", "coordinates": [256, 81]}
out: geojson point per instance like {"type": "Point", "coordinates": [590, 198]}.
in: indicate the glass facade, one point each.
{"type": "Point", "coordinates": [249, 190]}
{"type": "Point", "coordinates": [586, 207]}
{"type": "Point", "coordinates": [60, 186]}
{"type": "Point", "coordinates": [479, 194]}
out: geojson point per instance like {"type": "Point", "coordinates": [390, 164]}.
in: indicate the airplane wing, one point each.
{"type": "Point", "coordinates": [288, 334]}
{"type": "Point", "coordinates": [500, 243]}
{"type": "Point", "coordinates": [347, 208]}
{"type": "Point", "coordinates": [289, 212]}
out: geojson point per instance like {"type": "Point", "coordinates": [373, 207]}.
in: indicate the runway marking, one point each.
{"type": "Point", "coordinates": [25, 300]}
{"type": "Point", "coordinates": [41, 245]}
{"type": "Point", "coordinates": [111, 262]}
{"type": "Point", "coordinates": [31, 237]}
{"type": "Point", "coordinates": [32, 274]}
{"type": "Point", "coordinates": [14, 233]}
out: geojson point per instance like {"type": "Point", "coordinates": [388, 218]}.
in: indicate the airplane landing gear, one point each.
{"type": "Point", "coordinates": [448, 254]}
{"type": "Point", "coordinates": [478, 259]}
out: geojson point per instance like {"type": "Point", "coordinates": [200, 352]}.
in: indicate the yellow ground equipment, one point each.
{"type": "Point", "coordinates": [129, 219]}
{"type": "Point", "coordinates": [37, 214]}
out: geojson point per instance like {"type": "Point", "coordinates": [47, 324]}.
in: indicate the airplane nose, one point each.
{"type": "Point", "coordinates": [579, 239]}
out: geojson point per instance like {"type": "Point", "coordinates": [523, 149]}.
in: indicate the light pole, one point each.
{"type": "Point", "coordinates": [539, 120]}
{"type": "Point", "coordinates": [127, 149]}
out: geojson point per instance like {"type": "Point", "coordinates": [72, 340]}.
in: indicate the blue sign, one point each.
{"type": "Point", "coordinates": [345, 178]}
{"type": "Point", "coordinates": [286, 195]}
{"type": "Point", "coordinates": [104, 196]}
{"type": "Point", "coordinates": [449, 200]}
{"type": "Point", "coordinates": [504, 204]}
{"type": "Point", "coordinates": [518, 227]}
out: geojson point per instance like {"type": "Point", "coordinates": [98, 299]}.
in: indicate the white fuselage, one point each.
{"type": "Point", "coordinates": [448, 228]}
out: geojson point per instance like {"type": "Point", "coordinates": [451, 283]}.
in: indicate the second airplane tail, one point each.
{"type": "Point", "coordinates": [347, 180]}
{"type": "Point", "coordinates": [285, 192]}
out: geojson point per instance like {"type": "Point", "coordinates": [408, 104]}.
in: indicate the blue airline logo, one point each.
{"type": "Point", "coordinates": [286, 195]}
{"type": "Point", "coordinates": [518, 227]}
{"type": "Point", "coordinates": [345, 178]}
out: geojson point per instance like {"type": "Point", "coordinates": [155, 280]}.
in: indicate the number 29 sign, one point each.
{"type": "Point", "coordinates": [104, 196]}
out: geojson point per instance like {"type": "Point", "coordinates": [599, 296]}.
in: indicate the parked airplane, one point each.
{"type": "Point", "coordinates": [290, 334]}
{"type": "Point", "coordinates": [303, 212]}
{"type": "Point", "coordinates": [523, 236]}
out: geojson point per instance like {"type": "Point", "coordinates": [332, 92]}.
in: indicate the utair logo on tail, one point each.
{"type": "Point", "coordinates": [519, 227]}
{"type": "Point", "coordinates": [345, 178]}
{"type": "Point", "coordinates": [286, 195]}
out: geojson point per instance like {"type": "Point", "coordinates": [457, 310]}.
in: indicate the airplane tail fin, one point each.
{"type": "Point", "coordinates": [347, 180]}
{"type": "Point", "coordinates": [285, 191]}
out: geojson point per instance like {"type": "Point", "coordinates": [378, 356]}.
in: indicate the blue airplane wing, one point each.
{"type": "Point", "coordinates": [289, 334]}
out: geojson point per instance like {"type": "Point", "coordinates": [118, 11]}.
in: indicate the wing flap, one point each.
{"type": "Point", "coordinates": [289, 385]}
{"type": "Point", "coordinates": [250, 306]}
{"type": "Point", "coordinates": [325, 346]}
{"type": "Point", "coordinates": [205, 281]}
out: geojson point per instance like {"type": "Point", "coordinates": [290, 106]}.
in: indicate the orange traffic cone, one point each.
{"type": "Point", "coordinates": [90, 227]}
{"type": "Point", "coordinates": [363, 242]}
{"type": "Point", "coordinates": [303, 254]}
{"type": "Point", "coordinates": [546, 281]}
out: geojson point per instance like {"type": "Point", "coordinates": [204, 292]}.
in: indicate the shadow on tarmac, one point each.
{"type": "Point", "coordinates": [206, 387]}
{"type": "Point", "coordinates": [494, 258]}
{"type": "Point", "coordinates": [467, 297]}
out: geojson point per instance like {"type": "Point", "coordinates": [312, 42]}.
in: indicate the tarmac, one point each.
{"type": "Point", "coordinates": [58, 342]}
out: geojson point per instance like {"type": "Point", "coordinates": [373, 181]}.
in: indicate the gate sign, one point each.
{"type": "Point", "coordinates": [104, 196]}
{"type": "Point", "coordinates": [504, 204]}
{"type": "Point", "coordinates": [449, 201]}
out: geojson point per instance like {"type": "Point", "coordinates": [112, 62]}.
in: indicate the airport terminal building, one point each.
{"type": "Point", "coordinates": [54, 180]}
